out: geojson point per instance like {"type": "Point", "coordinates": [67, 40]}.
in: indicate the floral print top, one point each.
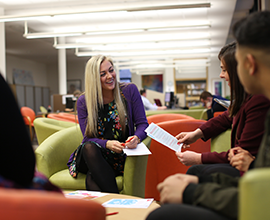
{"type": "Point", "coordinates": [109, 123]}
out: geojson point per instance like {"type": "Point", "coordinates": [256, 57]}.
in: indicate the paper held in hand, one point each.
{"type": "Point", "coordinates": [163, 137]}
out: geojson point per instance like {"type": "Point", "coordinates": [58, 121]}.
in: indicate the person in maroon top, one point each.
{"type": "Point", "coordinates": [245, 116]}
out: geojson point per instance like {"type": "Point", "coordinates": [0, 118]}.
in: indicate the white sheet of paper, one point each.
{"type": "Point", "coordinates": [141, 149]}
{"type": "Point", "coordinates": [128, 203]}
{"type": "Point", "coordinates": [80, 194]}
{"type": "Point", "coordinates": [163, 137]}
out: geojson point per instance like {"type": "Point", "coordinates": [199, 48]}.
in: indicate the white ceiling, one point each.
{"type": "Point", "coordinates": [218, 16]}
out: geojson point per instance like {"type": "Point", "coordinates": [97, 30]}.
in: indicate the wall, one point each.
{"type": "Point", "coordinates": [38, 70]}
{"type": "Point", "coordinates": [47, 75]}
{"type": "Point", "coordinates": [213, 73]}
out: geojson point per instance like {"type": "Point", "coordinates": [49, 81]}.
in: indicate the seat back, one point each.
{"type": "Point", "coordinates": [166, 117]}
{"type": "Point", "coordinates": [44, 127]}
{"type": "Point", "coordinates": [28, 115]}
{"type": "Point", "coordinates": [218, 113]}
{"type": "Point", "coordinates": [64, 117]}
{"type": "Point", "coordinates": [43, 109]}
{"type": "Point", "coordinates": [163, 162]}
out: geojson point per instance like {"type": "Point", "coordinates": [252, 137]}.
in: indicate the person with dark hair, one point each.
{"type": "Point", "coordinates": [216, 196]}
{"type": "Point", "coordinates": [18, 159]}
{"type": "Point", "coordinates": [147, 104]}
{"type": "Point", "coordinates": [242, 115]}
{"type": "Point", "coordinates": [208, 102]}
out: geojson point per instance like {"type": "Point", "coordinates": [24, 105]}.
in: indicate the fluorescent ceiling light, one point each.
{"type": "Point", "coordinates": [153, 37]}
{"type": "Point", "coordinates": [106, 32]}
{"type": "Point", "coordinates": [10, 18]}
{"type": "Point", "coordinates": [146, 43]}
{"type": "Point", "coordinates": [152, 61]}
{"type": "Point", "coordinates": [157, 56]}
{"type": "Point", "coordinates": [146, 53]}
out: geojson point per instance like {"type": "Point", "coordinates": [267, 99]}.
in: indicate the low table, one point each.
{"type": "Point", "coordinates": [126, 213]}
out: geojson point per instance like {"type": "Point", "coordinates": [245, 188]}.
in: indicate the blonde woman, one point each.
{"type": "Point", "coordinates": [111, 117]}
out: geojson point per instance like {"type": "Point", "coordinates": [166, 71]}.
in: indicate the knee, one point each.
{"type": "Point", "coordinates": [193, 170]}
{"type": "Point", "coordinates": [90, 148]}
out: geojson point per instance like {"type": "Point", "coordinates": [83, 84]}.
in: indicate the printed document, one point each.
{"type": "Point", "coordinates": [163, 137]}
{"type": "Point", "coordinates": [141, 149]}
{"type": "Point", "coordinates": [128, 203]}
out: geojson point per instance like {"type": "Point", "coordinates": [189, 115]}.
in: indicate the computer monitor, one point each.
{"type": "Point", "coordinates": [167, 97]}
{"type": "Point", "coordinates": [70, 102]}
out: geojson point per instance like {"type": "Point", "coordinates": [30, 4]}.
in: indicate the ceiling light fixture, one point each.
{"type": "Point", "coordinates": [26, 17]}
{"type": "Point", "coordinates": [106, 32]}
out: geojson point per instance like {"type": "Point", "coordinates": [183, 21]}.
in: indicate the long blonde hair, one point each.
{"type": "Point", "coordinates": [93, 96]}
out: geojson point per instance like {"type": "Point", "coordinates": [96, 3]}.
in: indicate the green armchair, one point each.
{"type": "Point", "coordinates": [45, 127]}
{"type": "Point", "coordinates": [221, 142]}
{"type": "Point", "coordinates": [53, 153]}
{"type": "Point", "coordinates": [254, 195]}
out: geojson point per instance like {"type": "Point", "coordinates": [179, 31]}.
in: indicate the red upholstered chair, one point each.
{"type": "Point", "coordinates": [166, 117]}
{"type": "Point", "coordinates": [163, 162]}
{"type": "Point", "coordinates": [217, 113]}
{"type": "Point", "coordinates": [63, 117]}
{"type": "Point", "coordinates": [33, 204]}
{"type": "Point", "coordinates": [28, 116]}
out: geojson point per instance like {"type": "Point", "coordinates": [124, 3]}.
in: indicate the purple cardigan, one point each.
{"type": "Point", "coordinates": [137, 121]}
{"type": "Point", "coordinates": [247, 128]}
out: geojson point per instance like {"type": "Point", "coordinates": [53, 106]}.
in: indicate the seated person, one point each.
{"type": "Point", "coordinates": [111, 117]}
{"type": "Point", "coordinates": [147, 104]}
{"type": "Point", "coordinates": [18, 158]}
{"type": "Point", "coordinates": [216, 196]}
{"type": "Point", "coordinates": [208, 102]}
{"type": "Point", "coordinates": [242, 116]}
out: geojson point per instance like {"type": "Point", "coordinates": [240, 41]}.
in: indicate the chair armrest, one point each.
{"type": "Point", "coordinates": [222, 142]}
{"type": "Point", "coordinates": [135, 172]}
{"type": "Point", "coordinates": [53, 153]}
{"type": "Point", "coordinates": [254, 194]}
{"type": "Point", "coordinates": [204, 114]}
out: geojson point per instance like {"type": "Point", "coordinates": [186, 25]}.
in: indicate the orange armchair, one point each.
{"type": "Point", "coordinates": [64, 117]}
{"type": "Point", "coordinates": [218, 113]}
{"type": "Point", "coordinates": [33, 204]}
{"type": "Point", "coordinates": [163, 162]}
{"type": "Point", "coordinates": [28, 116]}
{"type": "Point", "coordinates": [166, 117]}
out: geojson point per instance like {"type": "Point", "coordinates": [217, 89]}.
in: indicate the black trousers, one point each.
{"type": "Point", "coordinates": [184, 212]}
{"type": "Point", "coordinates": [207, 169]}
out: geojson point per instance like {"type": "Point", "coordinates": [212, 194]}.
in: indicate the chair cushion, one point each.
{"type": "Point", "coordinates": [65, 181]}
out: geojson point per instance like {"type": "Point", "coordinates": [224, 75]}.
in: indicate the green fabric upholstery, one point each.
{"type": "Point", "coordinates": [44, 127]}
{"type": "Point", "coordinates": [195, 113]}
{"type": "Point", "coordinates": [254, 195]}
{"type": "Point", "coordinates": [53, 153]}
{"type": "Point", "coordinates": [221, 142]}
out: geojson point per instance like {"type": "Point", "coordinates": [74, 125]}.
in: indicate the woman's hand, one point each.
{"type": "Point", "coordinates": [132, 142]}
{"type": "Point", "coordinates": [189, 158]}
{"type": "Point", "coordinates": [188, 138]}
{"type": "Point", "coordinates": [114, 146]}
{"type": "Point", "coordinates": [240, 158]}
